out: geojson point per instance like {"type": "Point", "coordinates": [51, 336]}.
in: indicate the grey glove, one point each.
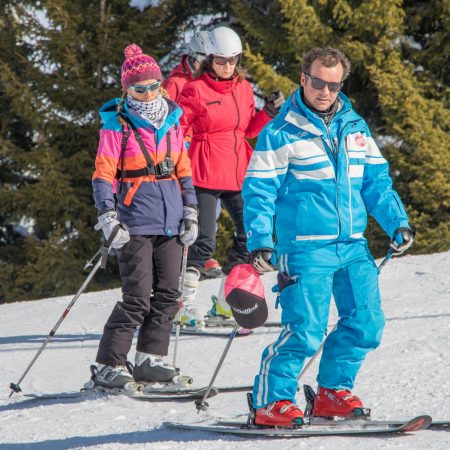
{"type": "Point", "coordinates": [189, 227]}
{"type": "Point", "coordinates": [273, 103]}
{"type": "Point", "coordinates": [107, 222]}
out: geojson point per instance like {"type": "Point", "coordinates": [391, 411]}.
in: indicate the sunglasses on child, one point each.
{"type": "Point", "coordinates": [319, 84]}
{"type": "Point", "coordinates": [142, 89]}
{"type": "Point", "coordinates": [221, 61]}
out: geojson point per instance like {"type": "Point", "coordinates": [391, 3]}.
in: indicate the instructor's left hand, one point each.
{"type": "Point", "coordinates": [403, 239]}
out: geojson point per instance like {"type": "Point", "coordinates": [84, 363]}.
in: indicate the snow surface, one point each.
{"type": "Point", "coordinates": [406, 376]}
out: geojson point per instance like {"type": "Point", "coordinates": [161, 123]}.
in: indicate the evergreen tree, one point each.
{"type": "Point", "coordinates": [403, 106]}
{"type": "Point", "coordinates": [16, 143]}
{"type": "Point", "coordinates": [56, 72]}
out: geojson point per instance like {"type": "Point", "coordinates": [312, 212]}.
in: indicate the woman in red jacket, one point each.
{"type": "Point", "coordinates": [219, 107]}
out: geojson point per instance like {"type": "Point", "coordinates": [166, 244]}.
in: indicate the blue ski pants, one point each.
{"type": "Point", "coordinates": [348, 272]}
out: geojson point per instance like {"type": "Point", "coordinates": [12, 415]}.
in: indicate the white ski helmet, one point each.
{"type": "Point", "coordinates": [197, 45]}
{"type": "Point", "coordinates": [223, 41]}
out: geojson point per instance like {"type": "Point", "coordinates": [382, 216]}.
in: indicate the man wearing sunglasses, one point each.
{"type": "Point", "coordinates": [315, 173]}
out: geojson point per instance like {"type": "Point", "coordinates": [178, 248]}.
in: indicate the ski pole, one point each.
{"type": "Point", "coordinates": [180, 303]}
{"type": "Point", "coordinates": [202, 405]}
{"type": "Point", "coordinates": [101, 262]}
{"type": "Point", "coordinates": [319, 350]}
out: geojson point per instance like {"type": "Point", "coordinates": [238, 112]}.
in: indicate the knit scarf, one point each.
{"type": "Point", "coordinates": [155, 111]}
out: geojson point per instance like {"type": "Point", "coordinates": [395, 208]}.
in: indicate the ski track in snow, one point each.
{"type": "Point", "coordinates": [406, 376]}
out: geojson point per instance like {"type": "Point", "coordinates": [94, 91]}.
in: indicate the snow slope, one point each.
{"type": "Point", "coordinates": [408, 375]}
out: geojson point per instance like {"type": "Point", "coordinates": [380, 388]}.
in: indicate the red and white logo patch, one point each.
{"type": "Point", "coordinates": [360, 140]}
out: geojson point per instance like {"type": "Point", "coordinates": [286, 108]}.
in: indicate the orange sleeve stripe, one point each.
{"type": "Point", "coordinates": [105, 168]}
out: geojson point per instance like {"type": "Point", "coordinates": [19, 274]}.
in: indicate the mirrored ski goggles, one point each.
{"type": "Point", "coordinates": [221, 61]}
{"type": "Point", "coordinates": [142, 89]}
{"type": "Point", "coordinates": [319, 84]}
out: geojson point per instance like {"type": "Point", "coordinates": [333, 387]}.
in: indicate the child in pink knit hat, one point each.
{"type": "Point", "coordinates": [148, 221]}
{"type": "Point", "coordinates": [138, 67]}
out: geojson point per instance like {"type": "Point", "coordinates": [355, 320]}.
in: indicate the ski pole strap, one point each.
{"type": "Point", "coordinates": [388, 256]}
{"type": "Point", "coordinates": [106, 247]}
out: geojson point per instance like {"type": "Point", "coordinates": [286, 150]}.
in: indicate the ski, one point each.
{"type": "Point", "coordinates": [322, 422]}
{"type": "Point", "coordinates": [415, 424]}
{"type": "Point", "coordinates": [149, 392]}
{"type": "Point", "coordinates": [211, 332]}
{"type": "Point", "coordinates": [166, 395]}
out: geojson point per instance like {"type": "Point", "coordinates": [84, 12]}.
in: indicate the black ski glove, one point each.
{"type": "Point", "coordinates": [403, 239]}
{"type": "Point", "coordinates": [273, 103]}
{"type": "Point", "coordinates": [263, 260]}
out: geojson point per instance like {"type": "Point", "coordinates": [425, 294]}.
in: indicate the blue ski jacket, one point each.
{"type": "Point", "coordinates": [312, 184]}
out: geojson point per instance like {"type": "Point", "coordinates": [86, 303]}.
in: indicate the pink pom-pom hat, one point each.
{"type": "Point", "coordinates": [138, 67]}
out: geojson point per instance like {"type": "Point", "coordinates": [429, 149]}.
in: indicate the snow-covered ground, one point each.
{"type": "Point", "coordinates": [408, 375]}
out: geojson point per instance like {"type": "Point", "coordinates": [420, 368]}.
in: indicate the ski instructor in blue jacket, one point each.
{"type": "Point", "coordinates": [315, 173]}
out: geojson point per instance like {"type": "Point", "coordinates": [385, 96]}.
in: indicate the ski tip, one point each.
{"type": "Point", "coordinates": [416, 424]}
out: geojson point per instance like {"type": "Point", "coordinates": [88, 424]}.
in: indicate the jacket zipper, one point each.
{"type": "Point", "coordinates": [334, 151]}
{"type": "Point", "coordinates": [235, 138]}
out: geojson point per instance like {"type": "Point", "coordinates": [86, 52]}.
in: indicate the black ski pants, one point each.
{"type": "Point", "coordinates": [145, 263]}
{"type": "Point", "coordinates": [204, 246]}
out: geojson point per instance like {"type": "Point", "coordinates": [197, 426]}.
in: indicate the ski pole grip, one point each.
{"type": "Point", "coordinates": [106, 247]}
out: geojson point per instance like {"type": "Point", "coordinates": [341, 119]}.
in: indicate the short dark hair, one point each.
{"type": "Point", "coordinates": [328, 56]}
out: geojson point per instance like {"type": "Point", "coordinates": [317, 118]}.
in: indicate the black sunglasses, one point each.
{"type": "Point", "coordinates": [319, 84]}
{"type": "Point", "coordinates": [142, 89]}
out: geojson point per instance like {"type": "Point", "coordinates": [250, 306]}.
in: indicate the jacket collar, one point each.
{"type": "Point", "coordinates": [298, 114]}
{"type": "Point", "coordinates": [222, 86]}
{"type": "Point", "coordinates": [108, 113]}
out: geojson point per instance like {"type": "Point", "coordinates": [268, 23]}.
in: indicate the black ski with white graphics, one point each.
{"type": "Point", "coordinates": [345, 428]}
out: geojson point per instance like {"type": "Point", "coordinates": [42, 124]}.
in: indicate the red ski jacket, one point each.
{"type": "Point", "coordinates": [222, 115]}
{"type": "Point", "coordinates": [179, 76]}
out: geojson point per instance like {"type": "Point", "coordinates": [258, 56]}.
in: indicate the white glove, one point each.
{"type": "Point", "coordinates": [189, 226]}
{"type": "Point", "coordinates": [403, 239]}
{"type": "Point", "coordinates": [263, 260]}
{"type": "Point", "coordinates": [107, 222]}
